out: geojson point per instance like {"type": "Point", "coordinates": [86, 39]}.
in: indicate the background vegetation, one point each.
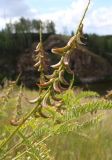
{"type": "Point", "coordinates": [16, 38]}
{"type": "Point", "coordinates": [75, 126]}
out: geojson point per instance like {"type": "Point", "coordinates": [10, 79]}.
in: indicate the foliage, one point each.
{"type": "Point", "coordinates": [56, 109]}
{"type": "Point", "coordinates": [18, 37]}
{"type": "Point", "coordinates": [101, 45]}
{"type": "Point", "coordinates": [33, 134]}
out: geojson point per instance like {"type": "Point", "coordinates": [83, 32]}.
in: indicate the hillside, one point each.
{"type": "Point", "coordinates": [87, 65]}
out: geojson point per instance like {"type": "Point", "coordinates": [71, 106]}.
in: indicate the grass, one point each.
{"type": "Point", "coordinates": [94, 144]}
{"type": "Point", "coordinates": [91, 144]}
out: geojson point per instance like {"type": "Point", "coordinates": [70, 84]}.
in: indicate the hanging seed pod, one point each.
{"type": "Point", "coordinates": [61, 51]}
{"type": "Point", "coordinates": [57, 86]}
{"type": "Point", "coordinates": [67, 68]}
{"type": "Point", "coordinates": [66, 59]}
{"type": "Point", "coordinates": [54, 97]}
{"type": "Point", "coordinates": [37, 64]}
{"type": "Point", "coordinates": [78, 39]}
{"type": "Point", "coordinates": [46, 101]}
{"type": "Point", "coordinates": [56, 66]}
{"type": "Point", "coordinates": [52, 75]}
{"type": "Point", "coordinates": [56, 103]}
{"type": "Point", "coordinates": [37, 58]}
{"type": "Point", "coordinates": [72, 42]}
{"type": "Point", "coordinates": [16, 122]}
{"type": "Point", "coordinates": [46, 84]}
{"type": "Point", "coordinates": [33, 101]}
{"type": "Point", "coordinates": [62, 79]}
{"type": "Point", "coordinates": [38, 47]}
{"type": "Point", "coordinates": [43, 115]}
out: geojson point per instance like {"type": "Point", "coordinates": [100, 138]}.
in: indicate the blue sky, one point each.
{"type": "Point", "coordinates": [65, 13]}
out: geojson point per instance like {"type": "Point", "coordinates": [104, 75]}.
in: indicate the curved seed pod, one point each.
{"type": "Point", "coordinates": [78, 38]}
{"type": "Point", "coordinates": [41, 56]}
{"type": "Point", "coordinates": [60, 51]}
{"type": "Point", "coordinates": [56, 103]}
{"type": "Point", "coordinates": [37, 58]}
{"type": "Point", "coordinates": [61, 110]}
{"type": "Point", "coordinates": [67, 68]}
{"type": "Point", "coordinates": [41, 113]}
{"type": "Point", "coordinates": [46, 84]}
{"type": "Point", "coordinates": [66, 60]}
{"type": "Point", "coordinates": [62, 88]}
{"type": "Point", "coordinates": [49, 76]}
{"type": "Point", "coordinates": [37, 64]}
{"type": "Point", "coordinates": [61, 78]}
{"type": "Point", "coordinates": [15, 122]}
{"type": "Point", "coordinates": [33, 100]}
{"type": "Point", "coordinates": [56, 66]}
{"type": "Point", "coordinates": [46, 101]}
{"type": "Point", "coordinates": [52, 75]}
{"type": "Point", "coordinates": [38, 47]}
{"type": "Point", "coordinates": [57, 86]}
{"type": "Point", "coordinates": [72, 41]}
{"type": "Point", "coordinates": [53, 96]}
{"type": "Point", "coordinates": [40, 68]}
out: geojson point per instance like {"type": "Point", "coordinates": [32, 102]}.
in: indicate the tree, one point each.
{"type": "Point", "coordinates": [23, 26]}
{"type": "Point", "coordinates": [50, 27]}
{"type": "Point", "coordinates": [36, 25]}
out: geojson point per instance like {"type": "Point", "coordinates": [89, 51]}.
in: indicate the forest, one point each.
{"type": "Point", "coordinates": [16, 38]}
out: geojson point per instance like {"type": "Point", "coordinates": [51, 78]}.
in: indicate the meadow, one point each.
{"type": "Point", "coordinates": [92, 141]}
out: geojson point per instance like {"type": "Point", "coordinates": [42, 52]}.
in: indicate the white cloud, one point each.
{"type": "Point", "coordinates": [69, 17]}
{"type": "Point", "coordinates": [11, 10]}
{"type": "Point", "coordinates": [98, 20]}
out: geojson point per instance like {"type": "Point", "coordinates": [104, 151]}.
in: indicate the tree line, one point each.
{"type": "Point", "coordinates": [16, 37]}
{"type": "Point", "coordinates": [100, 44]}
{"type": "Point", "coordinates": [19, 35]}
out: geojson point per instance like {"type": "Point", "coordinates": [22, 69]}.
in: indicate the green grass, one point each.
{"type": "Point", "coordinates": [93, 143]}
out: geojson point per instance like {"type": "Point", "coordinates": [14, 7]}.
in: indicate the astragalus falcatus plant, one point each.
{"type": "Point", "coordinates": [53, 112]}
{"type": "Point", "coordinates": [57, 83]}
{"type": "Point", "coordinates": [10, 86]}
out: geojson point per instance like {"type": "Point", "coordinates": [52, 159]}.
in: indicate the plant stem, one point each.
{"type": "Point", "coordinates": [85, 11]}
{"type": "Point", "coordinates": [23, 121]}
{"type": "Point", "coordinates": [72, 82]}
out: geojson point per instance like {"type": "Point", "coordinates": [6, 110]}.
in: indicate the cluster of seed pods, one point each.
{"type": "Point", "coordinates": [56, 83]}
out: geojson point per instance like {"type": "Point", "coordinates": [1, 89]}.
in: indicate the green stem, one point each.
{"type": "Point", "coordinates": [16, 130]}
{"type": "Point", "coordinates": [72, 82]}
{"type": "Point", "coordinates": [18, 77]}
{"type": "Point", "coordinates": [85, 11]}
{"type": "Point", "coordinates": [17, 146]}
{"type": "Point", "coordinates": [23, 121]}
{"type": "Point", "coordinates": [40, 32]}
